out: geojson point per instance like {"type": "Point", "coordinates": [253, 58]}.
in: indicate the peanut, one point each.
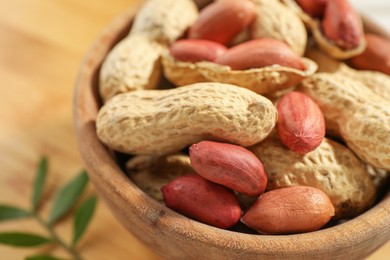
{"type": "Point", "coordinates": [315, 8]}
{"type": "Point", "coordinates": [166, 121]}
{"type": "Point", "coordinates": [342, 25]}
{"type": "Point", "coordinates": [164, 21]}
{"type": "Point", "coordinates": [367, 133]}
{"type": "Point", "coordinates": [332, 46]}
{"type": "Point", "coordinates": [150, 173]}
{"type": "Point", "coordinates": [362, 117]}
{"type": "Point", "coordinates": [332, 168]}
{"type": "Point", "coordinates": [133, 64]}
{"type": "Point", "coordinates": [375, 56]}
{"type": "Point", "coordinates": [301, 124]}
{"type": "Point", "coordinates": [221, 21]}
{"type": "Point", "coordinates": [260, 80]}
{"type": "Point", "coordinates": [194, 50]}
{"type": "Point", "coordinates": [202, 200]}
{"type": "Point", "coordinates": [378, 82]}
{"type": "Point", "coordinates": [229, 165]}
{"type": "Point", "coordinates": [260, 53]}
{"type": "Point", "coordinates": [289, 210]}
{"type": "Point", "coordinates": [275, 20]}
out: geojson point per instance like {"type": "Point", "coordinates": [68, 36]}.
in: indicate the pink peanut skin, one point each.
{"type": "Point", "coordinates": [314, 8]}
{"type": "Point", "coordinates": [202, 200]}
{"type": "Point", "coordinates": [260, 53]}
{"type": "Point", "coordinates": [194, 50]}
{"type": "Point", "coordinates": [289, 210]}
{"type": "Point", "coordinates": [301, 124]}
{"type": "Point", "coordinates": [376, 56]}
{"type": "Point", "coordinates": [229, 165]}
{"type": "Point", "coordinates": [222, 20]}
{"type": "Point", "coordinates": [342, 24]}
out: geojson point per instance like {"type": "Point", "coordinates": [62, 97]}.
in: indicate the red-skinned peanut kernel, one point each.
{"type": "Point", "coordinates": [202, 200]}
{"type": "Point", "coordinates": [261, 53]}
{"type": "Point", "coordinates": [376, 56]}
{"type": "Point", "coordinates": [342, 25]}
{"type": "Point", "coordinates": [289, 210]}
{"type": "Point", "coordinates": [229, 165]}
{"type": "Point", "coordinates": [194, 50]}
{"type": "Point", "coordinates": [222, 20]}
{"type": "Point", "coordinates": [301, 124]}
{"type": "Point", "coordinates": [314, 8]}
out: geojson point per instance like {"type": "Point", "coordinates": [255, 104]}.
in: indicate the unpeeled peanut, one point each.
{"type": "Point", "coordinates": [194, 50]}
{"type": "Point", "coordinates": [342, 25]}
{"type": "Point", "coordinates": [376, 55]}
{"type": "Point", "coordinates": [301, 124]}
{"type": "Point", "coordinates": [166, 121]}
{"type": "Point", "coordinates": [275, 20]}
{"type": "Point", "coordinates": [202, 200]}
{"type": "Point", "coordinates": [362, 117]}
{"type": "Point", "coordinates": [289, 210]}
{"type": "Point", "coordinates": [378, 82]}
{"type": "Point", "coordinates": [164, 21]}
{"type": "Point", "coordinates": [260, 53]}
{"type": "Point", "coordinates": [128, 68]}
{"type": "Point", "coordinates": [150, 173]}
{"type": "Point", "coordinates": [229, 165]}
{"type": "Point", "coordinates": [222, 20]}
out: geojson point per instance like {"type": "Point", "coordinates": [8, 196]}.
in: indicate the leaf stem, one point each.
{"type": "Point", "coordinates": [53, 235]}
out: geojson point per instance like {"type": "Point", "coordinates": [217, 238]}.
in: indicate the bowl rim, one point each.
{"type": "Point", "coordinates": [107, 177]}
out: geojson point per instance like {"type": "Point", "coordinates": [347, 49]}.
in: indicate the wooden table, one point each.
{"type": "Point", "coordinates": [42, 44]}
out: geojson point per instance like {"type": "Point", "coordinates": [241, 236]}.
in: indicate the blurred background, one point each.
{"type": "Point", "coordinates": [42, 45]}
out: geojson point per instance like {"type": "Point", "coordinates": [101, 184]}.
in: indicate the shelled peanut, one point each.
{"type": "Point", "coordinates": [336, 26]}
{"type": "Point", "coordinates": [240, 143]}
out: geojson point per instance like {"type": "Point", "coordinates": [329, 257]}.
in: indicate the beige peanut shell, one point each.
{"type": "Point", "coordinates": [367, 133]}
{"type": "Point", "coordinates": [332, 168]}
{"type": "Point", "coordinates": [275, 20]}
{"type": "Point", "coordinates": [150, 173]}
{"type": "Point", "coordinates": [133, 64]}
{"type": "Point", "coordinates": [362, 118]}
{"type": "Point", "coordinates": [166, 121]}
{"type": "Point", "coordinates": [260, 80]}
{"type": "Point", "coordinates": [380, 178]}
{"type": "Point", "coordinates": [164, 20]}
{"type": "Point", "coordinates": [325, 44]}
{"type": "Point", "coordinates": [378, 82]}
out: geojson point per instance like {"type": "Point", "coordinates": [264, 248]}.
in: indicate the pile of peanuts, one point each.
{"type": "Point", "coordinates": [274, 114]}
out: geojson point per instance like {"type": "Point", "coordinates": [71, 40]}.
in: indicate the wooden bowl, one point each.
{"type": "Point", "coordinates": [175, 236]}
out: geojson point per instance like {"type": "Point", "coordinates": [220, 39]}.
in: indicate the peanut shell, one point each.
{"type": "Point", "coordinates": [378, 82]}
{"type": "Point", "coordinates": [367, 133]}
{"type": "Point", "coordinates": [150, 173]}
{"type": "Point", "coordinates": [166, 121]}
{"type": "Point", "coordinates": [260, 80]}
{"type": "Point", "coordinates": [133, 64]}
{"type": "Point", "coordinates": [274, 20]}
{"type": "Point", "coordinates": [164, 21]}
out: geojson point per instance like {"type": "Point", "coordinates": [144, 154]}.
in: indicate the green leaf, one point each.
{"type": "Point", "coordinates": [82, 218]}
{"type": "Point", "coordinates": [22, 239]}
{"type": "Point", "coordinates": [39, 182]}
{"type": "Point", "coordinates": [67, 196]}
{"type": "Point", "coordinates": [42, 257]}
{"type": "Point", "coordinates": [10, 212]}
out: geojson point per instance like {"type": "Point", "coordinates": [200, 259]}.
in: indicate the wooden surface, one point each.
{"type": "Point", "coordinates": [42, 44]}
